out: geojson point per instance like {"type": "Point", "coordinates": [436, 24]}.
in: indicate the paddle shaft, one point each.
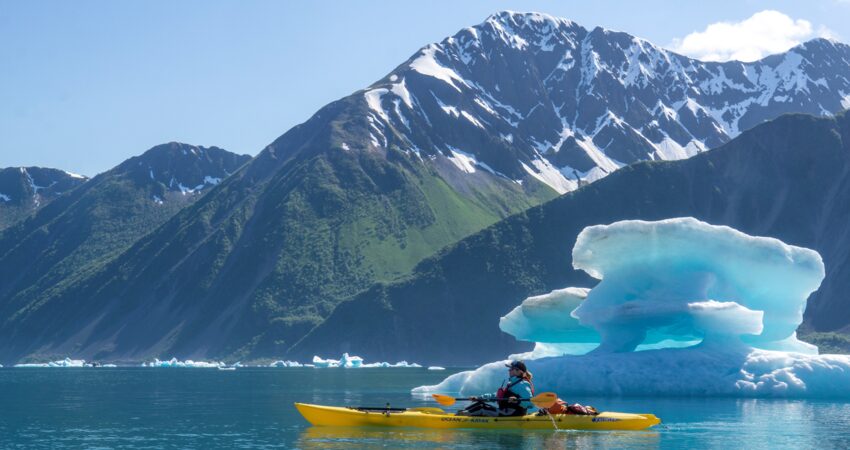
{"type": "Point", "coordinates": [473, 399]}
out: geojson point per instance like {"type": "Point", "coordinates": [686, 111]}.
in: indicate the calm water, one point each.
{"type": "Point", "coordinates": [252, 408]}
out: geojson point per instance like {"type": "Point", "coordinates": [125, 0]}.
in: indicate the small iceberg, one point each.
{"type": "Point", "coordinates": [353, 362]}
{"type": "Point", "coordinates": [436, 368]}
{"type": "Point", "coordinates": [286, 364]}
{"type": "Point", "coordinates": [174, 362]}
{"type": "Point", "coordinates": [682, 308]}
{"type": "Point", "coordinates": [67, 362]}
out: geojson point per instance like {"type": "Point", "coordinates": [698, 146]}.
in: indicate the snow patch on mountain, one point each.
{"type": "Point", "coordinates": [427, 64]}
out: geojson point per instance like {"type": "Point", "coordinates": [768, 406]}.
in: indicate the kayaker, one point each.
{"type": "Point", "coordinates": [518, 386]}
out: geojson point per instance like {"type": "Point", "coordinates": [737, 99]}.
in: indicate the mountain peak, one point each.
{"type": "Point", "coordinates": [179, 167]}
{"type": "Point", "coordinates": [527, 20]}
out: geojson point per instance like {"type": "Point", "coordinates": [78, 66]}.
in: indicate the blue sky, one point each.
{"type": "Point", "coordinates": [85, 85]}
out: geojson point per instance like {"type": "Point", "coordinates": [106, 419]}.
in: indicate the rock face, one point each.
{"type": "Point", "coordinates": [788, 179]}
{"type": "Point", "coordinates": [26, 189]}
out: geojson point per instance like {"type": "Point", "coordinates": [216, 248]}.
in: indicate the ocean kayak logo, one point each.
{"type": "Point", "coordinates": [604, 419]}
{"type": "Point", "coordinates": [459, 419]}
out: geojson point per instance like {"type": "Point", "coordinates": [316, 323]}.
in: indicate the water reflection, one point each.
{"type": "Point", "coordinates": [344, 438]}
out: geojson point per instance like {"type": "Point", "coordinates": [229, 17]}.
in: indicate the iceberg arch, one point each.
{"type": "Point", "coordinates": [682, 308]}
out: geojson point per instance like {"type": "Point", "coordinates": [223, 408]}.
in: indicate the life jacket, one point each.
{"type": "Point", "coordinates": [505, 393]}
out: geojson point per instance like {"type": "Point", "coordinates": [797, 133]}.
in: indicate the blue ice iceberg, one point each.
{"type": "Point", "coordinates": [682, 308]}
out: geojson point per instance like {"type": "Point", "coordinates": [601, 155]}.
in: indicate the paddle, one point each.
{"type": "Point", "coordinates": [542, 400]}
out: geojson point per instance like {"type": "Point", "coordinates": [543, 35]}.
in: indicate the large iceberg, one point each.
{"type": "Point", "coordinates": [682, 308]}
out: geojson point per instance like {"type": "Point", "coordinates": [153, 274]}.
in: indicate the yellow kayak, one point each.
{"type": "Point", "coordinates": [334, 416]}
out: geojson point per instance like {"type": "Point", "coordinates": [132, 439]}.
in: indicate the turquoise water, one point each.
{"type": "Point", "coordinates": [252, 408]}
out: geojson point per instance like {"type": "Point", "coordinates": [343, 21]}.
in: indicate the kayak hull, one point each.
{"type": "Point", "coordinates": [333, 416]}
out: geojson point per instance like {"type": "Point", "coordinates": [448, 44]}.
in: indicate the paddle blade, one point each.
{"type": "Point", "coordinates": [544, 400]}
{"type": "Point", "coordinates": [444, 400]}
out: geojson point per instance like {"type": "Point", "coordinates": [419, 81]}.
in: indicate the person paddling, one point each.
{"type": "Point", "coordinates": [518, 386]}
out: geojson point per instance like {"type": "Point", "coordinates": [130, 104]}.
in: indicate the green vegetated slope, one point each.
{"type": "Point", "coordinates": [788, 179]}
{"type": "Point", "coordinates": [260, 260]}
{"type": "Point", "coordinates": [79, 232]}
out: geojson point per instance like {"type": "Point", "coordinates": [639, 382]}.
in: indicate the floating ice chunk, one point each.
{"type": "Point", "coordinates": [322, 363]}
{"type": "Point", "coordinates": [67, 362]}
{"type": "Point", "coordinates": [436, 368]}
{"type": "Point", "coordinates": [174, 362]}
{"type": "Point", "coordinates": [734, 301]}
{"type": "Point", "coordinates": [350, 361]}
{"type": "Point", "coordinates": [400, 364]}
{"type": "Point", "coordinates": [211, 180]}
{"type": "Point", "coordinates": [5, 198]}
{"type": "Point", "coordinates": [286, 364]}
{"type": "Point", "coordinates": [353, 362]}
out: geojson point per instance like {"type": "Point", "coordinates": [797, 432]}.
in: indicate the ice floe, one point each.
{"type": "Point", "coordinates": [174, 362]}
{"type": "Point", "coordinates": [682, 308]}
{"type": "Point", "coordinates": [286, 364]}
{"type": "Point", "coordinates": [67, 362]}
{"type": "Point", "coordinates": [353, 362]}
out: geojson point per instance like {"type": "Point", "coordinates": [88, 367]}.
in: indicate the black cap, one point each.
{"type": "Point", "coordinates": [517, 365]}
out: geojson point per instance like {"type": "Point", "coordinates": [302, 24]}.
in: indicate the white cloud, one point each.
{"type": "Point", "coordinates": [762, 34]}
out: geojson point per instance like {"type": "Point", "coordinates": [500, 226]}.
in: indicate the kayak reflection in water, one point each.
{"type": "Point", "coordinates": [512, 398]}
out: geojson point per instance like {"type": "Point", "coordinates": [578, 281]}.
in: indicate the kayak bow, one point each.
{"type": "Point", "coordinates": [334, 416]}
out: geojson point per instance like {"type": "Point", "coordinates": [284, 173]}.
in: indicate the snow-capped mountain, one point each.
{"type": "Point", "coordinates": [527, 94]}
{"type": "Point", "coordinates": [26, 189]}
